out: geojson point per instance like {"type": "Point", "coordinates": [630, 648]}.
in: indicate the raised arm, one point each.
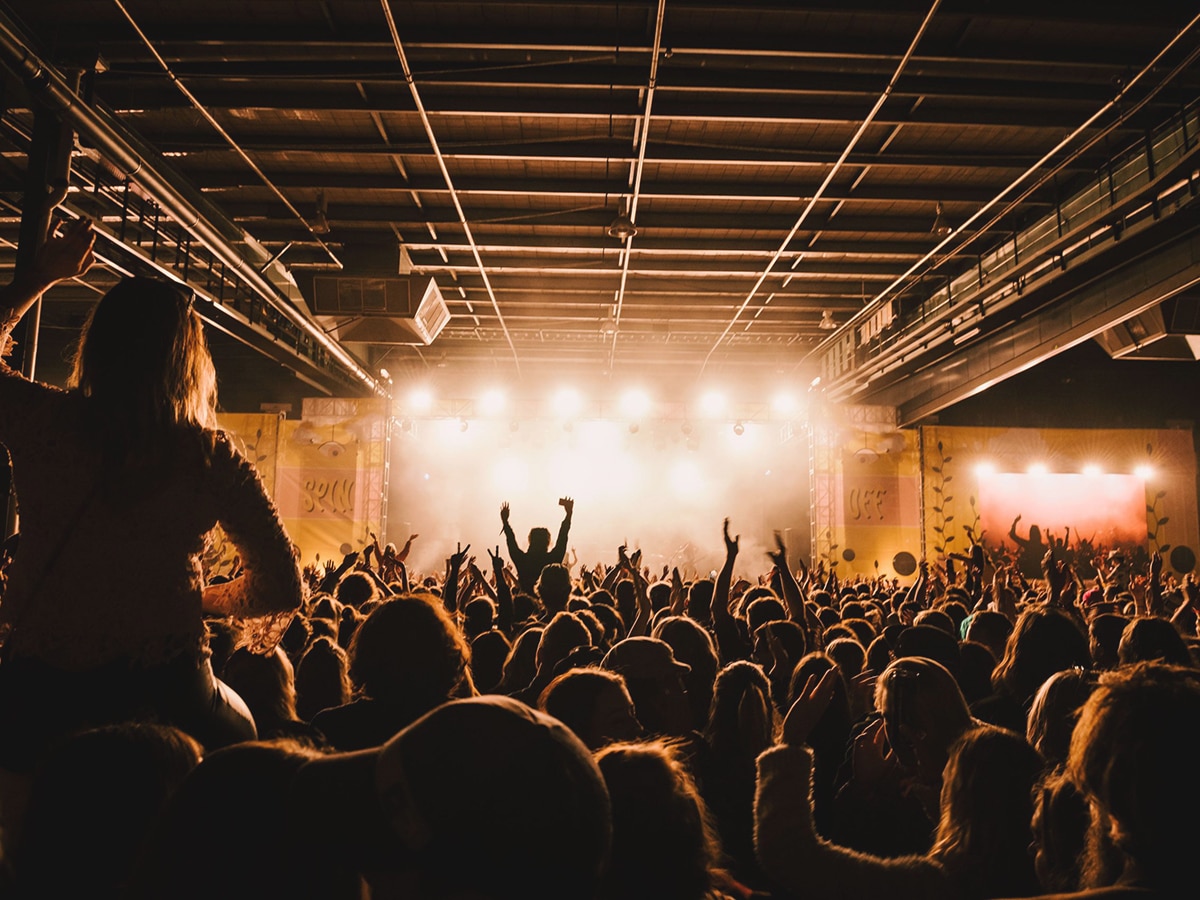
{"type": "Point", "coordinates": [504, 600]}
{"type": "Point", "coordinates": [560, 546]}
{"type": "Point", "coordinates": [63, 256]}
{"type": "Point", "coordinates": [514, 552]}
{"type": "Point", "coordinates": [402, 556]}
{"type": "Point", "coordinates": [450, 588]}
{"type": "Point", "coordinates": [729, 639]}
{"type": "Point", "coordinates": [792, 595]}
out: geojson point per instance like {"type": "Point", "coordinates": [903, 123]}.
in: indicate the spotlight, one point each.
{"type": "Point", "coordinates": [567, 403]}
{"type": "Point", "coordinates": [827, 323]}
{"type": "Point", "coordinates": [1091, 470]}
{"type": "Point", "coordinates": [1144, 472]}
{"type": "Point", "coordinates": [622, 227]}
{"type": "Point", "coordinates": [1037, 469]}
{"type": "Point", "coordinates": [385, 374]}
{"type": "Point", "coordinates": [738, 428]}
{"type": "Point", "coordinates": [784, 404]}
{"type": "Point", "coordinates": [712, 404]}
{"type": "Point", "coordinates": [492, 402]}
{"type": "Point", "coordinates": [635, 404]}
{"type": "Point", "coordinates": [421, 400]}
{"type": "Point", "coordinates": [320, 222]}
{"type": "Point", "coordinates": [941, 226]}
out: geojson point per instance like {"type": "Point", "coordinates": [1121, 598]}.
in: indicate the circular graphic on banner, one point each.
{"type": "Point", "coordinates": [904, 563]}
{"type": "Point", "coordinates": [1183, 560]}
{"type": "Point", "coordinates": [848, 555]}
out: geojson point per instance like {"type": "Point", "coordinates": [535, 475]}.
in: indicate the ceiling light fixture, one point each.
{"type": "Point", "coordinates": [320, 222]}
{"type": "Point", "coordinates": [827, 323]}
{"type": "Point", "coordinates": [622, 227]}
{"type": "Point", "coordinates": [941, 227]}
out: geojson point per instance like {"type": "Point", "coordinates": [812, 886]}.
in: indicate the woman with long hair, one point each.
{"type": "Point", "coordinates": [981, 845]}
{"type": "Point", "coordinates": [120, 479]}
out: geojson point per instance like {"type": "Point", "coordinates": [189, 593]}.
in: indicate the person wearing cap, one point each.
{"type": "Point", "coordinates": [655, 679]}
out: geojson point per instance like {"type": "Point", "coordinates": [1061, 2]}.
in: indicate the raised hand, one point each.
{"type": "Point", "coordinates": [779, 554]}
{"type": "Point", "coordinates": [810, 705]}
{"type": "Point", "coordinates": [731, 544]}
{"type": "Point", "coordinates": [568, 504]}
{"type": "Point", "coordinates": [504, 512]}
{"type": "Point", "coordinates": [66, 255]}
{"type": "Point", "coordinates": [456, 559]}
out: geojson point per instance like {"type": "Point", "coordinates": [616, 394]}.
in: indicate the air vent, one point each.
{"type": "Point", "coordinates": [400, 310]}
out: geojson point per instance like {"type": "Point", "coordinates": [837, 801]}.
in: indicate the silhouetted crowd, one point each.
{"type": "Point", "coordinates": [521, 729]}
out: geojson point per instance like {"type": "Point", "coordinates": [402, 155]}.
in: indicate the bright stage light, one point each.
{"type": "Point", "coordinates": [1037, 469]}
{"type": "Point", "coordinates": [712, 404]}
{"type": "Point", "coordinates": [492, 402]}
{"type": "Point", "coordinates": [1091, 470]}
{"type": "Point", "coordinates": [420, 400]}
{"type": "Point", "coordinates": [567, 403]}
{"type": "Point", "coordinates": [984, 469]}
{"type": "Point", "coordinates": [784, 404]}
{"type": "Point", "coordinates": [1144, 472]}
{"type": "Point", "coordinates": [738, 428]}
{"type": "Point", "coordinates": [635, 404]}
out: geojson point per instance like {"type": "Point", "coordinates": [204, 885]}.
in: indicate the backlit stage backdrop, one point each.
{"type": "Point", "coordinates": [883, 498]}
{"type": "Point", "coordinates": [325, 473]}
{"type": "Point", "coordinates": [1128, 490]}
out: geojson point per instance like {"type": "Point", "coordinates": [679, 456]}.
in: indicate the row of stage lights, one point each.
{"type": "Point", "coordinates": [1091, 470]}
{"type": "Point", "coordinates": [633, 405]}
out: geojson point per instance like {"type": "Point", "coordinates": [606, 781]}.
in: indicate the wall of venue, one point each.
{"type": "Point", "coordinates": [885, 498]}
{"type": "Point", "coordinates": [325, 471]}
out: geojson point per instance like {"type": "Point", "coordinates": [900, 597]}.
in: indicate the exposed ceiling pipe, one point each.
{"type": "Point", "coordinates": [441, 161]}
{"type": "Point", "coordinates": [313, 229]}
{"type": "Point", "coordinates": [208, 117]}
{"type": "Point", "coordinates": [637, 177]}
{"type": "Point", "coordinates": [869, 308]}
{"type": "Point", "coordinates": [50, 87]}
{"type": "Point", "coordinates": [837, 166]}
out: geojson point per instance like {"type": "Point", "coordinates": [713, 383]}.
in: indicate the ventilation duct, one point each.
{"type": "Point", "coordinates": [406, 309]}
{"type": "Point", "coordinates": [1169, 331]}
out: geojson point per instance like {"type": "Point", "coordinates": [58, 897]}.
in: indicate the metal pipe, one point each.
{"type": "Point", "coordinates": [208, 117]}
{"type": "Point", "coordinates": [45, 82]}
{"type": "Point", "coordinates": [644, 139]}
{"type": "Point", "coordinates": [887, 92]}
{"type": "Point", "coordinates": [1151, 66]}
{"type": "Point", "coordinates": [441, 161]}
